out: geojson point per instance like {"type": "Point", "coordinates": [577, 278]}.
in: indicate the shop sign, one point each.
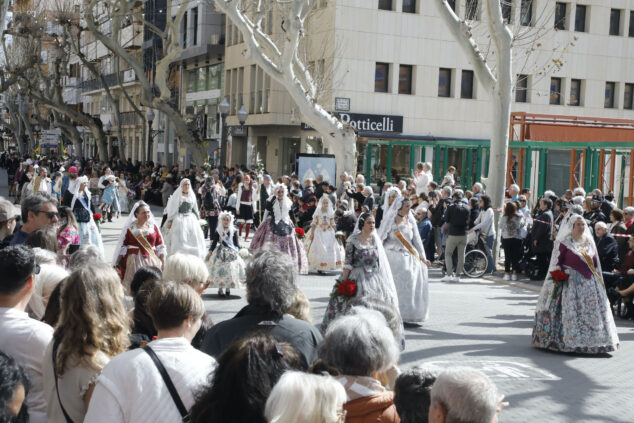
{"type": "Point", "coordinates": [365, 122]}
{"type": "Point", "coordinates": [239, 130]}
{"type": "Point", "coordinates": [372, 123]}
{"type": "Point", "coordinates": [342, 104]}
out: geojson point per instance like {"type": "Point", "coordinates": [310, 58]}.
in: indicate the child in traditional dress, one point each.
{"type": "Point", "coordinates": [226, 267]}
{"type": "Point", "coordinates": [324, 251]}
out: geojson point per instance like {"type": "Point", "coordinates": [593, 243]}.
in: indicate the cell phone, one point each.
{"type": "Point", "coordinates": [72, 248]}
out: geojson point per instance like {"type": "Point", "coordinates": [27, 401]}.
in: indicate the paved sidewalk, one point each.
{"type": "Point", "coordinates": [486, 324]}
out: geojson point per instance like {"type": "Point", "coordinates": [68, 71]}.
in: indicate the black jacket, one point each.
{"type": "Point", "coordinates": [457, 216]}
{"type": "Point", "coordinates": [304, 337]}
{"type": "Point", "coordinates": [608, 252]}
{"type": "Point", "coordinates": [346, 223]}
{"type": "Point", "coordinates": [215, 239]}
{"type": "Point", "coordinates": [541, 232]}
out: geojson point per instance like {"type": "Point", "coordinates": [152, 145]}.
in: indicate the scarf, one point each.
{"type": "Point", "coordinates": [360, 386]}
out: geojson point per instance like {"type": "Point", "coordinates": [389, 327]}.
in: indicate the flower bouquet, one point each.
{"type": "Point", "coordinates": [341, 293]}
{"type": "Point", "coordinates": [97, 218]}
{"type": "Point", "coordinates": [559, 276]}
{"type": "Point", "coordinates": [203, 223]}
{"type": "Point", "coordinates": [300, 233]}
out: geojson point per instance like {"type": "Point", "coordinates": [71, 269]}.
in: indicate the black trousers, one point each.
{"type": "Point", "coordinates": [512, 254]}
{"type": "Point", "coordinates": [212, 224]}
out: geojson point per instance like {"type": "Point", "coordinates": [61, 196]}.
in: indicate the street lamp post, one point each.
{"type": "Point", "coordinates": [108, 129]}
{"type": "Point", "coordinates": [150, 118]}
{"type": "Point", "coordinates": [224, 111]}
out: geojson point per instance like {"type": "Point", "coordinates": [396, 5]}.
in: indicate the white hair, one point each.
{"type": "Point", "coordinates": [185, 268]}
{"type": "Point", "coordinates": [600, 225]}
{"type": "Point", "coordinates": [360, 178]}
{"type": "Point", "coordinates": [580, 191]}
{"type": "Point", "coordinates": [478, 185]}
{"type": "Point", "coordinates": [629, 210]}
{"type": "Point", "coordinates": [468, 395]}
{"type": "Point", "coordinates": [306, 398]}
{"type": "Point", "coordinates": [514, 188]}
{"type": "Point", "coordinates": [548, 194]}
{"type": "Point", "coordinates": [43, 256]}
{"type": "Point", "coordinates": [578, 200]}
{"type": "Point", "coordinates": [45, 282]}
{"type": "Point", "coordinates": [85, 254]}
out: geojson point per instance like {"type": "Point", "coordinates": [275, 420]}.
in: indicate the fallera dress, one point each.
{"type": "Point", "coordinates": [226, 268]}
{"type": "Point", "coordinates": [278, 231]}
{"type": "Point", "coordinates": [370, 274]}
{"type": "Point", "coordinates": [141, 247]}
{"type": "Point", "coordinates": [409, 273]}
{"type": "Point", "coordinates": [185, 236]}
{"type": "Point", "coordinates": [325, 253]}
{"type": "Point", "coordinates": [575, 315]}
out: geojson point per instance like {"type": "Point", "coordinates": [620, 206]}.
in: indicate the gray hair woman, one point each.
{"type": "Point", "coordinates": [271, 288]}
{"type": "Point", "coordinates": [362, 349]}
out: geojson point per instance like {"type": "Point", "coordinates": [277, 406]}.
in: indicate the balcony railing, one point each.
{"type": "Point", "coordinates": [111, 80]}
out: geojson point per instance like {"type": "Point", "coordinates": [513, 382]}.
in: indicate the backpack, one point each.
{"type": "Point", "coordinates": [208, 200]}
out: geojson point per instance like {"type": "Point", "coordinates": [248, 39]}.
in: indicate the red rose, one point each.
{"type": "Point", "coordinates": [300, 232]}
{"type": "Point", "coordinates": [96, 216]}
{"type": "Point", "coordinates": [559, 275]}
{"type": "Point", "coordinates": [347, 288]}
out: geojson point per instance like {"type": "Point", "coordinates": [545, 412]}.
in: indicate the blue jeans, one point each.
{"type": "Point", "coordinates": [489, 243]}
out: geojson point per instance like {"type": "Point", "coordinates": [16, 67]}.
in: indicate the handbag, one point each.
{"type": "Point", "coordinates": [168, 382]}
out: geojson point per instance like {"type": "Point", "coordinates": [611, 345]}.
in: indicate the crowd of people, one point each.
{"type": "Point", "coordinates": [129, 339]}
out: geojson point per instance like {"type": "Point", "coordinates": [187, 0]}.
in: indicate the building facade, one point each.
{"type": "Point", "coordinates": [394, 72]}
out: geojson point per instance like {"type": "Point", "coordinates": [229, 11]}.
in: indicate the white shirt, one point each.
{"type": "Point", "coordinates": [421, 182]}
{"type": "Point", "coordinates": [26, 339]}
{"type": "Point", "coordinates": [484, 222]}
{"type": "Point", "coordinates": [130, 387]}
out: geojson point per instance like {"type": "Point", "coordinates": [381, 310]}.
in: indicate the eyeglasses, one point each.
{"type": "Point", "coordinates": [50, 215]}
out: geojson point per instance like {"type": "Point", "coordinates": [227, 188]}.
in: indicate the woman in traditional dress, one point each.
{"type": "Point", "coordinates": [325, 253]}
{"type": "Point", "coordinates": [278, 229]}
{"type": "Point", "coordinates": [140, 244]}
{"type": "Point", "coordinates": [80, 205]}
{"type": "Point", "coordinates": [245, 197]}
{"type": "Point", "coordinates": [226, 267]}
{"type": "Point", "coordinates": [390, 195]}
{"type": "Point", "coordinates": [122, 190]}
{"type": "Point", "coordinates": [367, 265]}
{"type": "Point", "coordinates": [574, 315]}
{"type": "Point", "coordinates": [185, 235]}
{"type": "Point", "coordinates": [110, 198]}
{"type": "Point", "coordinates": [408, 263]}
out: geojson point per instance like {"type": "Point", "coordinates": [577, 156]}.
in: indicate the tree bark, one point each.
{"type": "Point", "coordinates": [281, 62]}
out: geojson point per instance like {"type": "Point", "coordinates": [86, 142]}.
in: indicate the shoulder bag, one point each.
{"type": "Point", "coordinates": [66, 416]}
{"type": "Point", "coordinates": [168, 382]}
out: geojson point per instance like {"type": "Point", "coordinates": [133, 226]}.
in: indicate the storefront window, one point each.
{"type": "Point", "coordinates": [558, 170]}
{"type": "Point", "coordinates": [400, 162]}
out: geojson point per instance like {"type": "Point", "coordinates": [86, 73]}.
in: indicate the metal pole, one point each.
{"type": "Point", "coordinates": [149, 140]}
{"type": "Point", "coordinates": [223, 141]}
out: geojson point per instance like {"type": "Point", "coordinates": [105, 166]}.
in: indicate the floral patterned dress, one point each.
{"type": "Point", "coordinates": [226, 267]}
{"type": "Point", "coordinates": [363, 262]}
{"type": "Point", "coordinates": [68, 235]}
{"type": "Point", "coordinates": [575, 315]}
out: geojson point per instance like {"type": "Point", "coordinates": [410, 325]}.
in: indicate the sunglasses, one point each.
{"type": "Point", "coordinates": [50, 215]}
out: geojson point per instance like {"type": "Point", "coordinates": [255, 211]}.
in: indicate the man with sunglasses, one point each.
{"type": "Point", "coordinates": [38, 210]}
{"type": "Point", "coordinates": [8, 217]}
{"type": "Point", "coordinates": [21, 337]}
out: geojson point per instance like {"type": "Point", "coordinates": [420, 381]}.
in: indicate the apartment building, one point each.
{"type": "Point", "coordinates": [118, 76]}
{"type": "Point", "coordinates": [198, 86]}
{"type": "Point", "coordinates": [393, 70]}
